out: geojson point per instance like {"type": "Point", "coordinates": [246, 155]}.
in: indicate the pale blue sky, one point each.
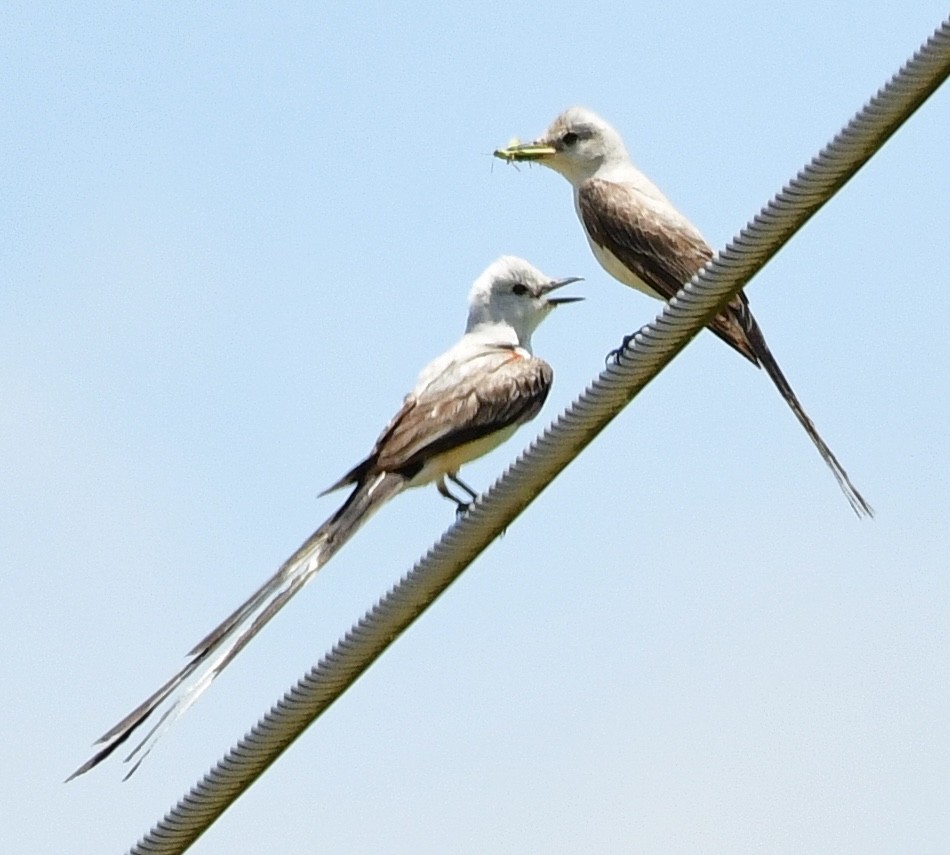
{"type": "Point", "coordinates": [235, 234]}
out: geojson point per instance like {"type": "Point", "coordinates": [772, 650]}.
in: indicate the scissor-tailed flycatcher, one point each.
{"type": "Point", "coordinates": [640, 239]}
{"type": "Point", "coordinates": [465, 403]}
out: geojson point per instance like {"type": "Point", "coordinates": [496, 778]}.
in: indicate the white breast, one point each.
{"type": "Point", "coordinates": [616, 268]}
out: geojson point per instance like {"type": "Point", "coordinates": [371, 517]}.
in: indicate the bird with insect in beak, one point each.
{"type": "Point", "coordinates": [640, 239]}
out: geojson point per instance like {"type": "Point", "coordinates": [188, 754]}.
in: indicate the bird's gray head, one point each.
{"type": "Point", "coordinates": [514, 295]}
{"type": "Point", "coordinates": [577, 144]}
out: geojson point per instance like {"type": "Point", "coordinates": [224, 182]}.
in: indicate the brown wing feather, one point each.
{"type": "Point", "coordinates": [505, 389]}
{"type": "Point", "coordinates": [660, 251]}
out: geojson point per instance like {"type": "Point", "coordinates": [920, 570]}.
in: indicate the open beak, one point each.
{"type": "Point", "coordinates": [554, 284]}
{"type": "Point", "coordinates": [518, 152]}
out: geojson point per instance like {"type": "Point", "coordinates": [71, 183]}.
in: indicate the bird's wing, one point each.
{"type": "Point", "coordinates": [494, 389]}
{"type": "Point", "coordinates": [662, 249]}
{"type": "Point", "coordinates": [659, 250]}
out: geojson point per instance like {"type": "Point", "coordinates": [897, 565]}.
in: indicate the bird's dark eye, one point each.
{"type": "Point", "coordinates": [570, 138]}
{"type": "Point", "coordinates": [519, 289]}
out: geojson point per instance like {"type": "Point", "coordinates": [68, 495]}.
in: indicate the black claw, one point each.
{"type": "Point", "coordinates": [614, 355]}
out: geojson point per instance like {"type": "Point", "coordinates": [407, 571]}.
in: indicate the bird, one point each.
{"type": "Point", "coordinates": [465, 403]}
{"type": "Point", "coordinates": [643, 241]}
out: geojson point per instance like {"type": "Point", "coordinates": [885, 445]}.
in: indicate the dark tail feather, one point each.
{"type": "Point", "coordinates": [767, 361]}
{"type": "Point", "coordinates": [262, 605]}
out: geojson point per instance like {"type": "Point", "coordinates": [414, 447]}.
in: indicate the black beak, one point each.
{"type": "Point", "coordinates": [554, 284]}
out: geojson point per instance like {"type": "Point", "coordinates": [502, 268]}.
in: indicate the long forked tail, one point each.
{"type": "Point", "coordinates": [767, 361]}
{"type": "Point", "coordinates": [216, 650]}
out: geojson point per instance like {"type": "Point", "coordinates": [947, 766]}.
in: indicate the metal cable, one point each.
{"type": "Point", "coordinates": [640, 361]}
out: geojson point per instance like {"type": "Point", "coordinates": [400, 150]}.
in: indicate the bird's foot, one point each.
{"type": "Point", "coordinates": [614, 355]}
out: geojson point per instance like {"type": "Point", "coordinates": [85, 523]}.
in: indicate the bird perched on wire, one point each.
{"type": "Point", "coordinates": [465, 403]}
{"type": "Point", "coordinates": [641, 240]}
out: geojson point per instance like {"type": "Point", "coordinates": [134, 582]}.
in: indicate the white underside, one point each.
{"type": "Point", "coordinates": [619, 270]}
{"type": "Point", "coordinates": [452, 460]}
